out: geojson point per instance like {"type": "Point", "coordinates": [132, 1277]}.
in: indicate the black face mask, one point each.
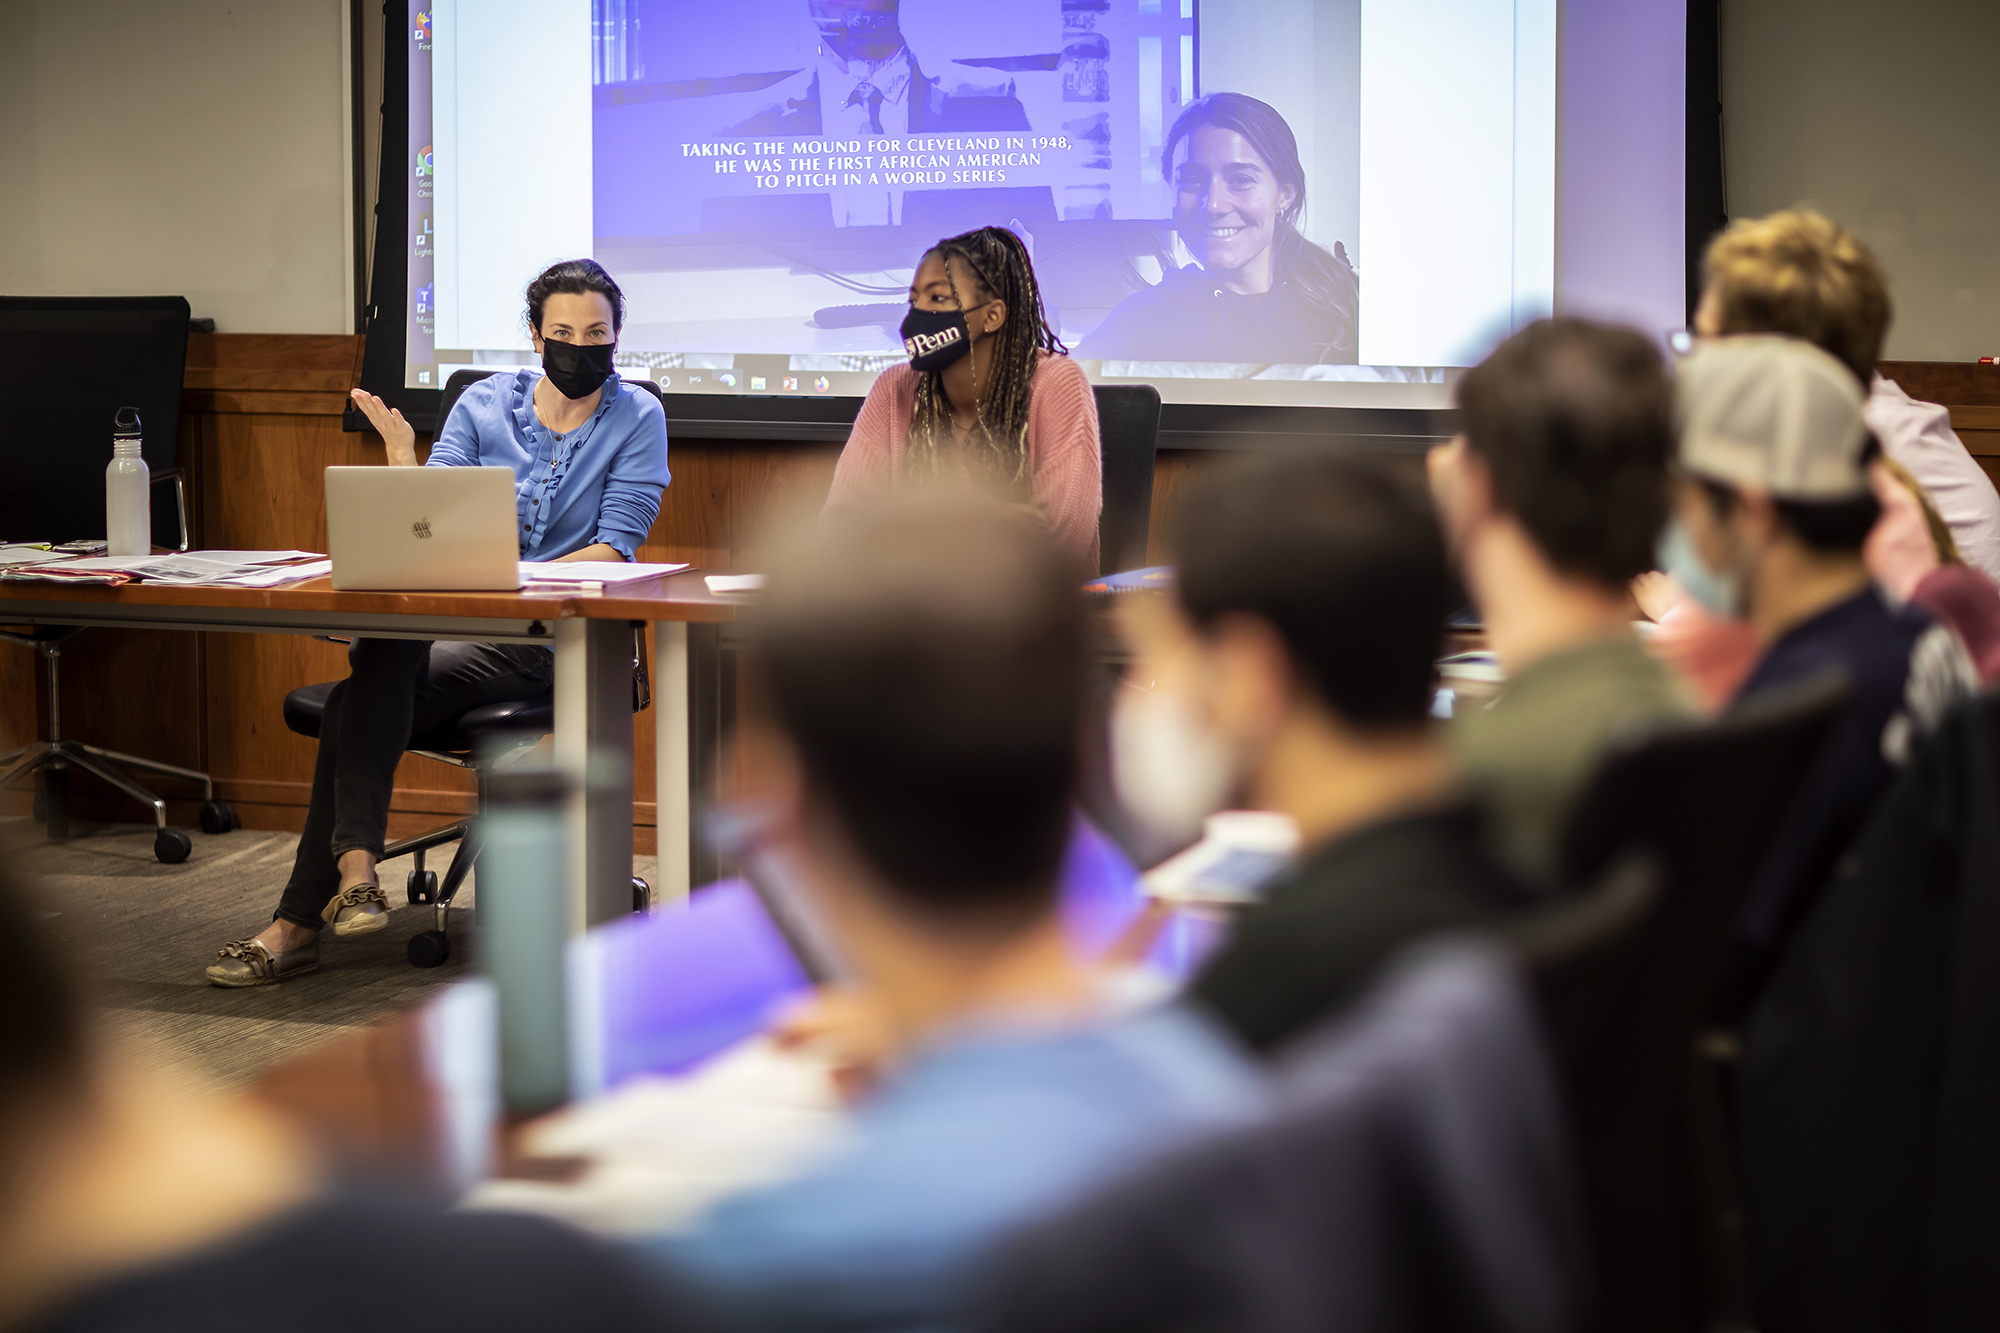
{"type": "Point", "coordinates": [935, 338]}
{"type": "Point", "coordinates": [577, 369]}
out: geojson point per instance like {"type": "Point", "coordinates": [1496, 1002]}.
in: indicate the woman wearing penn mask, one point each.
{"type": "Point", "coordinates": [1258, 289]}
{"type": "Point", "coordinates": [589, 455]}
{"type": "Point", "coordinates": [990, 397]}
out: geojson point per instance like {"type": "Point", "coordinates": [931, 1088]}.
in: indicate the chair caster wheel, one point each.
{"type": "Point", "coordinates": [172, 846]}
{"type": "Point", "coordinates": [421, 887]}
{"type": "Point", "coordinates": [217, 817]}
{"type": "Point", "coordinates": [429, 949]}
{"type": "Point", "coordinates": [642, 896]}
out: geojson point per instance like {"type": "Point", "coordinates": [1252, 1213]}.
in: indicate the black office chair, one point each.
{"type": "Point", "coordinates": [477, 739]}
{"type": "Point", "coordinates": [1629, 1011]}
{"type": "Point", "coordinates": [55, 755]}
{"type": "Point", "coordinates": [1128, 424]}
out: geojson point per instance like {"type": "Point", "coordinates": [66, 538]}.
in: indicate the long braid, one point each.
{"type": "Point", "coordinates": [993, 264]}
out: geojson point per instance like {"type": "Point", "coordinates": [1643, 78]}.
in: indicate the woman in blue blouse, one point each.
{"type": "Point", "coordinates": [589, 455]}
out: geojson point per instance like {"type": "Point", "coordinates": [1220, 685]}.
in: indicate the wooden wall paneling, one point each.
{"type": "Point", "coordinates": [772, 488]}
{"type": "Point", "coordinates": [1978, 428]}
{"type": "Point", "coordinates": [19, 720]}
{"type": "Point", "coordinates": [1174, 472]}
{"type": "Point", "coordinates": [694, 512]}
{"type": "Point", "coordinates": [139, 692]}
{"type": "Point", "coordinates": [1970, 390]}
{"type": "Point", "coordinates": [1953, 383]}
{"type": "Point", "coordinates": [20, 716]}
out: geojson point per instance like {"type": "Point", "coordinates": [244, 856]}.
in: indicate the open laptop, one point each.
{"type": "Point", "coordinates": [422, 529]}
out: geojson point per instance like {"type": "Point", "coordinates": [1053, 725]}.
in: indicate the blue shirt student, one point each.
{"type": "Point", "coordinates": [985, 1132]}
{"type": "Point", "coordinates": [599, 483]}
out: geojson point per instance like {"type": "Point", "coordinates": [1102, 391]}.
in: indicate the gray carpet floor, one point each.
{"type": "Point", "coordinates": [141, 932]}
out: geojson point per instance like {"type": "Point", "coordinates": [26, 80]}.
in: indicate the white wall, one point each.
{"type": "Point", "coordinates": [1884, 117]}
{"type": "Point", "coordinates": [190, 147]}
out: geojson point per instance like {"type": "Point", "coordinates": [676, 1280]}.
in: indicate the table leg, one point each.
{"type": "Point", "coordinates": [674, 780]}
{"type": "Point", "coordinates": [593, 747]}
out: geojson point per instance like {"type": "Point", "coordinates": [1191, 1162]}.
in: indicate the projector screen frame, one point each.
{"type": "Point", "coordinates": [1384, 430]}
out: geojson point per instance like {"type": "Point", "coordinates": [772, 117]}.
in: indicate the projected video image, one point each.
{"type": "Point", "coordinates": [841, 137]}
{"type": "Point", "coordinates": [764, 176]}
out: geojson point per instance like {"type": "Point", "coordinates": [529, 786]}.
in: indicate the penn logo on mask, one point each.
{"type": "Point", "coordinates": [923, 344]}
{"type": "Point", "coordinates": [935, 338]}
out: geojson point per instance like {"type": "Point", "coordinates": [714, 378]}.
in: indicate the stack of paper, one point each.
{"type": "Point", "coordinates": [225, 569]}
{"type": "Point", "coordinates": [63, 573]}
{"type": "Point", "coordinates": [587, 572]}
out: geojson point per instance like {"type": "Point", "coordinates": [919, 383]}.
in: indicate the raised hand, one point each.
{"type": "Point", "coordinates": [398, 435]}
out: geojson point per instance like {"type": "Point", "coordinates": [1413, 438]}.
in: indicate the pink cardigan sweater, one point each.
{"type": "Point", "coordinates": [1065, 468]}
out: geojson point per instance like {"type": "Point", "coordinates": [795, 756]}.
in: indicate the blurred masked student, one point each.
{"type": "Point", "coordinates": [922, 668]}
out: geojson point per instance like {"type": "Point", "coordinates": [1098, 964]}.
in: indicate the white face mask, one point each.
{"type": "Point", "coordinates": [1719, 594]}
{"type": "Point", "coordinates": [1170, 771]}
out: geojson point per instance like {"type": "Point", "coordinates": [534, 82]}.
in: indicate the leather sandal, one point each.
{"type": "Point", "coordinates": [360, 909]}
{"type": "Point", "coordinates": [249, 963]}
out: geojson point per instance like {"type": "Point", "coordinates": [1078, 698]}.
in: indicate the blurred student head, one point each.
{"type": "Point", "coordinates": [1775, 494]}
{"type": "Point", "coordinates": [922, 670]}
{"type": "Point", "coordinates": [1565, 447]}
{"type": "Point", "coordinates": [1800, 274]}
{"type": "Point", "coordinates": [1308, 616]}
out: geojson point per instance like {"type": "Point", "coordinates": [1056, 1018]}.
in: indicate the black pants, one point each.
{"type": "Point", "coordinates": [395, 689]}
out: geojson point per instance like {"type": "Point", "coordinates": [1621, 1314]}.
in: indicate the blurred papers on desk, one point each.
{"type": "Point", "coordinates": [592, 571]}
{"type": "Point", "coordinates": [660, 1151]}
{"type": "Point", "coordinates": [727, 583]}
{"type": "Point", "coordinates": [1239, 853]}
{"type": "Point", "coordinates": [217, 569]}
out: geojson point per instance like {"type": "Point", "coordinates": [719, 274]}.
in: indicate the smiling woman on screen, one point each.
{"type": "Point", "coordinates": [1258, 290]}
{"type": "Point", "coordinates": [990, 398]}
{"type": "Point", "coordinates": [589, 456]}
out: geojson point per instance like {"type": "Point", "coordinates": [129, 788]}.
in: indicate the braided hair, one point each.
{"type": "Point", "coordinates": [990, 264]}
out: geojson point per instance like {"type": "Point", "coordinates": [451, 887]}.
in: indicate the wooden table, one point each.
{"type": "Point", "coordinates": [591, 636]}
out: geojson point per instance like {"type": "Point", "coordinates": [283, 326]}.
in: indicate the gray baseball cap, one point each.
{"type": "Point", "coordinates": [1775, 413]}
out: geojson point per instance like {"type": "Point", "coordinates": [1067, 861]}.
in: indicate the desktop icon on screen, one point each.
{"type": "Point", "coordinates": [423, 377]}
{"type": "Point", "coordinates": [425, 167]}
{"type": "Point", "coordinates": [756, 384]}
{"type": "Point", "coordinates": [694, 379]}
{"type": "Point", "coordinates": [426, 298]}
{"type": "Point", "coordinates": [666, 381]}
{"type": "Point", "coordinates": [423, 29]}
{"type": "Point", "coordinates": [822, 384]}
{"type": "Point", "coordinates": [791, 384]}
{"type": "Point", "coordinates": [727, 379]}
